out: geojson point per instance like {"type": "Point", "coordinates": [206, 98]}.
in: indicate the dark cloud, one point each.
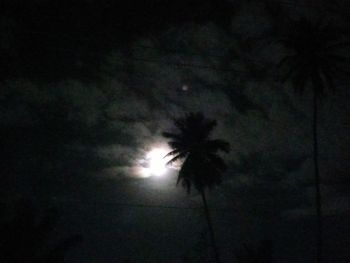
{"type": "Point", "coordinates": [115, 119]}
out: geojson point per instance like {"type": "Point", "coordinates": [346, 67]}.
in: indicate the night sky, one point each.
{"type": "Point", "coordinates": [87, 87]}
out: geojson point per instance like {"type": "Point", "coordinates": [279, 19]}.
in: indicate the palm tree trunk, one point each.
{"type": "Point", "coordinates": [210, 226]}
{"type": "Point", "coordinates": [317, 180]}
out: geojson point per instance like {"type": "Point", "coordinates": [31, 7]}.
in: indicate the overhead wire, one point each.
{"type": "Point", "coordinates": [131, 205]}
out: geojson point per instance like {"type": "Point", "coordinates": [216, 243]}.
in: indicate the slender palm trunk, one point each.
{"type": "Point", "coordinates": [317, 180]}
{"type": "Point", "coordinates": [210, 226]}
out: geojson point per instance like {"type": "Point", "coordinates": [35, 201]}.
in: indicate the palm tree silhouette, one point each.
{"type": "Point", "coordinates": [202, 167]}
{"type": "Point", "coordinates": [313, 62]}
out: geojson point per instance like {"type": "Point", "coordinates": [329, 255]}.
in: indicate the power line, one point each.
{"type": "Point", "coordinates": [142, 206]}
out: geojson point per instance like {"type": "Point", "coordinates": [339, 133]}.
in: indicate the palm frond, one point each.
{"type": "Point", "coordinates": [179, 156]}
{"type": "Point", "coordinates": [172, 153]}
{"type": "Point", "coordinates": [201, 166]}
{"type": "Point", "coordinates": [217, 145]}
{"type": "Point", "coordinates": [314, 46]}
{"type": "Point", "coordinates": [217, 162]}
{"type": "Point", "coordinates": [171, 135]}
{"type": "Point", "coordinates": [177, 144]}
{"type": "Point", "coordinates": [185, 175]}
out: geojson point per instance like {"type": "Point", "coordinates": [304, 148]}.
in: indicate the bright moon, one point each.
{"type": "Point", "coordinates": [155, 163]}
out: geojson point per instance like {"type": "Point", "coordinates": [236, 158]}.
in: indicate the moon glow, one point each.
{"type": "Point", "coordinates": [155, 163]}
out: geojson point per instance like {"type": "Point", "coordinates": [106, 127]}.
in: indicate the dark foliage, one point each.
{"type": "Point", "coordinates": [202, 166]}
{"type": "Point", "coordinates": [27, 238]}
{"type": "Point", "coordinates": [316, 55]}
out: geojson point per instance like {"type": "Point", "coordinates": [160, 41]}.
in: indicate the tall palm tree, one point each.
{"type": "Point", "coordinates": [202, 167]}
{"type": "Point", "coordinates": [313, 61]}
